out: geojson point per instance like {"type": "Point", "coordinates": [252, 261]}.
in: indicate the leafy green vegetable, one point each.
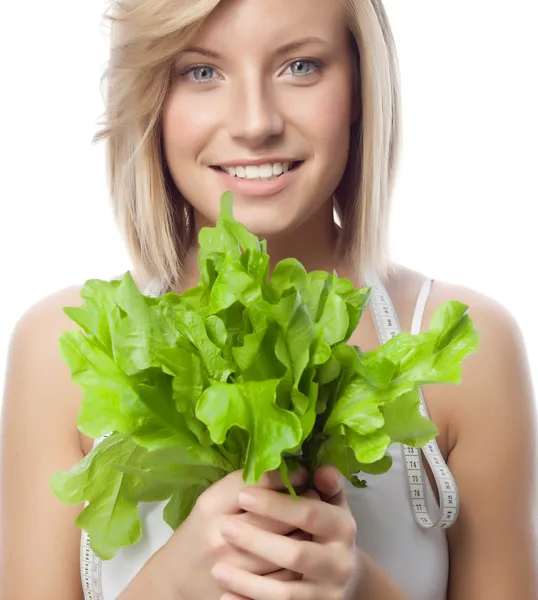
{"type": "Point", "coordinates": [245, 371]}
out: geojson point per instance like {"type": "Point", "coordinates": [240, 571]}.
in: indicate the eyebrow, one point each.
{"type": "Point", "coordinates": [289, 47]}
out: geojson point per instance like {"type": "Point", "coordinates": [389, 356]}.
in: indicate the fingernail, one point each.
{"type": "Point", "coordinates": [246, 501]}
{"type": "Point", "coordinates": [228, 530]}
{"type": "Point", "coordinates": [220, 573]}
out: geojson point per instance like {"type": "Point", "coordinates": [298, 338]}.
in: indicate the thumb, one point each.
{"type": "Point", "coordinates": [328, 483]}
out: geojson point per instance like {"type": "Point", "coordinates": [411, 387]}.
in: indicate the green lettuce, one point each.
{"type": "Point", "coordinates": [249, 370]}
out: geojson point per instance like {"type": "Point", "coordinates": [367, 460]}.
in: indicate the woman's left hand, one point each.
{"type": "Point", "coordinates": [327, 564]}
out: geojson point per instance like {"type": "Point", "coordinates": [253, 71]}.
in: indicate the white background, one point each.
{"type": "Point", "coordinates": [465, 207]}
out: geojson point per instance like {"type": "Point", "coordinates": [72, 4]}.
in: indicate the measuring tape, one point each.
{"type": "Point", "coordinates": [388, 326]}
{"type": "Point", "coordinates": [90, 563]}
{"type": "Point", "coordinates": [90, 570]}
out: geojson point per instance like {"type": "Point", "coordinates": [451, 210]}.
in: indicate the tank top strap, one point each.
{"type": "Point", "coordinates": [388, 326]}
{"type": "Point", "coordinates": [420, 307]}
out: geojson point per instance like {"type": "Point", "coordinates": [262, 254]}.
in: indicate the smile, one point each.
{"type": "Point", "coordinates": [258, 180]}
{"type": "Point", "coordinates": [260, 172]}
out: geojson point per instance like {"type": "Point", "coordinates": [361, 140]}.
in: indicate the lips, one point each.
{"type": "Point", "coordinates": [257, 188]}
{"type": "Point", "coordinates": [262, 171]}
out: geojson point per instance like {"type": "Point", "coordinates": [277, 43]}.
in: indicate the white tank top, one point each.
{"type": "Point", "coordinates": [416, 559]}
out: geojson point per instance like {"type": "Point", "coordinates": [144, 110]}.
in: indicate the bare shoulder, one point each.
{"type": "Point", "coordinates": [495, 380]}
{"type": "Point", "coordinates": [501, 362]}
{"type": "Point", "coordinates": [34, 347]}
{"type": "Point", "coordinates": [501, 337]}
{"type": "Point", "coordinates": [487, 427]}
{"type": "Point", "coordinates": [38, 330]}
{"type": "Point", "coordinates": [38, 384]}
{"type": "Point", "coordinates": [39, 437]}
{"type": "Point", "coordinates": [484, 310]}
{"type": "Point", "coordinates": [490, 420]}
{"type": "Point", "coordinates": [48, 312]}
{"type": "Point", "coordinates": [404, 285]}
{"type": "Point", "coordinates": [494, 405]}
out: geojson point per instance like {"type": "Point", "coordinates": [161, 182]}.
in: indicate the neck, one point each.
{"type": "Point", "coordinates": [313, 244]}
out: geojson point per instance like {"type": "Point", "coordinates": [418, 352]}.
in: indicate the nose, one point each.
{"type": "Point", "coordinates": [254, 118]}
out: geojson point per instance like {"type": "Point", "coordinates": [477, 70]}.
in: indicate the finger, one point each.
{"type": "Point", "coordinates": [273, 480]}
{"type": "Point", "coordinates": [281, 575]}
{"type": "Point", "coordinates": [315, 561]}
{"type": "Point", "coordinates": [311, 493]}
{"type": "Point", "coordinates": [325, 521]}
{"type": "Point", "coordinates": [285, 575]}
{"type": "Point", "coordinates": [247, 561]}
{"type": "Point", "coordinates": [232, 596]}
{"type": "Point", "coordinates": [221, 497]}
{"type": "Point", "coordinates": [268, 524]}
{"type": "Point", "coordinates": [300, 536]}
{"type": "Point", "coordinates": [255, 587]}
{"type": "Point", "coordinates": [329, 482]}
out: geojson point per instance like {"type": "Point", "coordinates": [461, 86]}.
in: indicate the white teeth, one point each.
{"type": "Point", "coordinates": [265, 171]}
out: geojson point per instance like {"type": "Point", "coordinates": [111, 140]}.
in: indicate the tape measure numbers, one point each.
{"type": "Point", "coordinates": [388, 326]}
{"type": "Point", "coordinates": [90, 570]}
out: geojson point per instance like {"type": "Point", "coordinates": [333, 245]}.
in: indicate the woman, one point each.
{"type": "Point", "coordinates": [201, 93]}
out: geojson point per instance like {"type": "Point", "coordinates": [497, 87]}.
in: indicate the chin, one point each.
{"type": "Point", "coordinates": [267, 222]}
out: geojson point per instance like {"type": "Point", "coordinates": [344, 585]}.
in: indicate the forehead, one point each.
{"type": "Point", "coordinates": [259, 24]}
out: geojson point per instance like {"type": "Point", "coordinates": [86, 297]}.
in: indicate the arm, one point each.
{"type": "Point", "coordinates": [39, 543]}
{"type": "Point", "coordinates": [373, 582]}
{"type": "Point", "coordinates": [151, 582]}
{"type": "Point", "coordinates": [492, 546]}
{"type": "Point", "coordinates": [488, 425]}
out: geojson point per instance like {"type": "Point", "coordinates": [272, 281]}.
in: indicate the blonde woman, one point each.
{"type": "Point", "coordinates": [200, 94]}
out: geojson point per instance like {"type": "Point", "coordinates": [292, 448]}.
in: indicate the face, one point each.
{"type": "Point", "coordinates": [261, 105]}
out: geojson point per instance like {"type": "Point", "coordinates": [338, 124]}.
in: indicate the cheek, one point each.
{"type": "Point", "coordinates": [186, 128]}
{"type": "Point", "coordinates": [326, 120]}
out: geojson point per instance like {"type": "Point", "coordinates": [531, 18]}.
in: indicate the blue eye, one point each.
{"type": "Point", "coordinates": [303, 65]}
{"type": "Point", "coordinates": [204, 72]}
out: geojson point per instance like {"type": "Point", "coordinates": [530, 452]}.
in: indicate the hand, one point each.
{"type": "Point", "coordinates": [189, 556]}
{"type": "Point", "coordinates": [328, 562]}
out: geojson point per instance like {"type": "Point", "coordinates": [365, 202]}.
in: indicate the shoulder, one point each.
{"type": "Point", "coordinates": [45, 320]}
{"type": "Point", "coordinates": [495, 399]}
{"type": "Point", "coordinates": [36, 333]}
{"type": "Point", "coordinates": [501, 362]}
{"type": "Point", "coordinates": [47, 313]}
{"type": "Point", "coordinates": [39, 437]}
{"type": "Point", "coordinates": [488, 429]}
{"type": "Point", "coordinates": [496, 380]}
{"type": "Point", "coordinates": [34, 338]}
{"type": "Point", "coordinates": [38, 383]}
{"type": "Point", "coordinates": [40, 327]}
{"type": "Point", "coordinates": [493, 320]}
{"type": "Point", "coordinates": [488, 314]}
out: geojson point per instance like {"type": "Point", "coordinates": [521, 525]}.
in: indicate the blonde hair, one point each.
{"type": "Point", "coordinates": [153, 217]}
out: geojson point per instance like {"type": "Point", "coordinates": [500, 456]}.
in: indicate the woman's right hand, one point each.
{"type": "Point", "coordinates": [189, 556]}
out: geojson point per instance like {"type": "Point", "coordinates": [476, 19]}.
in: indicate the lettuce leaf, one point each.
{"type": "Point", "coordinates": [249, 370]}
